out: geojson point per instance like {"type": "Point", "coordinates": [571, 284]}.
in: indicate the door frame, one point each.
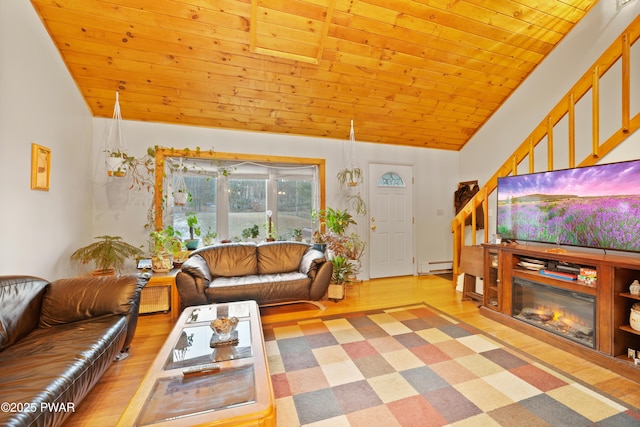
{"type": "Point", "coordinates": [413, 213]}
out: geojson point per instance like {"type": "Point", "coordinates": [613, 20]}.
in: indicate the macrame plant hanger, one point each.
{"type": "Point", "coordinates": [180, 193]}
{"type": "Point", "coordinates": [351, 176]}
{"type": "Point", "coordinates": [116, 144]}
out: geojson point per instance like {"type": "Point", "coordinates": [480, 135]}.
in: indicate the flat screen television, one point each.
{"type": "Point", "coordinates": [594, 206]}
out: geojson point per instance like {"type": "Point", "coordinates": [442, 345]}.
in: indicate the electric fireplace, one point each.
{"type": "Point", "coordinates": [566, 313]}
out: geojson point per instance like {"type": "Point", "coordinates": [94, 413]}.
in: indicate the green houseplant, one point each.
{"type": "Point", "coordinates": [209, 237]}
{"type": "Point", "coordinates": [337, 221]}
{"type": "Point", "coordinates": [108, 254]}
{"type": "Point", "coordinates": [349, 177]}
{"type": "Point", "coordinates": [194, 230]}
{"type": "Point", "coordinates": [251, 232]}
{"type": "Point", "coordinates": [166, 248]}
{"type": "Point", "coordinates": [342, 270]}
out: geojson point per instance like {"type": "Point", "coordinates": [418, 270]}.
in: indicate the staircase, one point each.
{"type": "Point", "coordinates": [619, 53]}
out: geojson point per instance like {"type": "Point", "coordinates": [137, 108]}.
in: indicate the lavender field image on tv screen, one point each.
{"type": "Point", "coordinates": [596, 206]}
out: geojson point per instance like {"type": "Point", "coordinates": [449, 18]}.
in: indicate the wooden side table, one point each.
{"type": "Point", "coordinates": [167, 280]}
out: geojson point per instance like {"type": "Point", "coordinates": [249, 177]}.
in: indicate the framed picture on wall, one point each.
{"type": "Point", "coordinates": [40, 167]}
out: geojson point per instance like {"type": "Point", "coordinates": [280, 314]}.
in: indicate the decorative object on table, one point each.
{"type": "Point", "coordinates": [224, 329]}
{"type": "Point", "coordinates": [40, 167]}
{"type": "Point", "coordinates": [108, 254]}
{"type": "Point", "coordinates": [634, 289]}
{"type": "Point", "coordinates": [634, 317]}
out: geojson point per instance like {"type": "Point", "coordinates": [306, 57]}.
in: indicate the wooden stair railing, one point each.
{"type": "Point", "coordinates": [620, 49]}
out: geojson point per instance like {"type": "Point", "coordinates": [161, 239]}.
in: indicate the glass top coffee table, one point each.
{"type": "Point", "coordinates": [198, 380]}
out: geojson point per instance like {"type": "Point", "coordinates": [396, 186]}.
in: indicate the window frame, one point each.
{"type": "Point", "coordinates": [162, 153]}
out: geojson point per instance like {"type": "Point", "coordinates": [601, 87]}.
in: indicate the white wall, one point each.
{"type": "Point", "coordinates": [121, 212]}
{"type": "Point", "coordinates": [543, 89]}
{"type": "Point", "coordinates": [40, 103]}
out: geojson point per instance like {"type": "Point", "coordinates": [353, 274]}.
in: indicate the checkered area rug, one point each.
{"type": "Point", "coordinates": [414, 366]}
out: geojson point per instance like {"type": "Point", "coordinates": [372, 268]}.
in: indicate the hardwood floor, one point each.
{"type": "Point", "coordinates": [106, 401]}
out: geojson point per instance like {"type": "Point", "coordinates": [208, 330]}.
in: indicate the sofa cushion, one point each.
{"type": "Point", "coordinates": [197, 267]}
{"type": "Point", "coordinates": [20, 299]}
{"type": "Point", "coordinates": [280, 257]}
{"type": "Point", "coordinates": [231, 259]}
{"type": "Point", "coordinates": [308, 260]}
{"type": "Point", "coordinates": [66, 299]}
{"type": "Point", "coordinates": [263, 289]}
{"type": "Point", "coordinates": [57, 366]}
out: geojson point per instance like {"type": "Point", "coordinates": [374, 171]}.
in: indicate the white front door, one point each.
{"type": "Point", "coordinates": [390, 220]}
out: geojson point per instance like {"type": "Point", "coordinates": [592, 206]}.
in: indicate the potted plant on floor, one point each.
{"type": "Point", "coordinates": [108, 254]}
{"type": "Point", "coordinates": [342, 269]}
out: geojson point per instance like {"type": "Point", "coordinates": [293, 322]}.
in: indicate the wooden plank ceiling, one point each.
{"type": "Point", "coordinates": [425, 73]}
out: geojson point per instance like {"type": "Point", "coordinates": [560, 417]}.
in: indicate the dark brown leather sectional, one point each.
{"type": "Point", "coordinates": [57, 339]}
{"type": "Point", "coordinates": [268, 273]}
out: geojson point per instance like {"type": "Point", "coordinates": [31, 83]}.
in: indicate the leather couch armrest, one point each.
{"type": "Point", "coordinates": [80, 298]}
{"type": "Point", "coordinates": [320, 281]}
{"type": "Point", "coordinates": [191, 282]}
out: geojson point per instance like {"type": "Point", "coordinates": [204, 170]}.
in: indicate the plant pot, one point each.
{"type": "Point", "coordinates": [192, 244]}
{"type": "Point", "coordinates": [335, 291]}
{"type": "Point", "coordinates": [180, 198]}
{"type": "Point", "coordinates": [161, 263]}
{"type": "Point", "coordinates": [320, 246]}
{"type": "Point", "coordinates": [116, 167]}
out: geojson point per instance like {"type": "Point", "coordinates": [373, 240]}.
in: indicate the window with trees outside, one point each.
{"type": "Point", "coordinates": [230, 197]}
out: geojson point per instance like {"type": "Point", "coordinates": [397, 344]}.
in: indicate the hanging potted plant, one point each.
{"type": "Point", "coordinates": [108, 254]}
{"type": "Point", "coordinates": [117, 158]}
{"type": "Point", "coordinates": [180, 196]}
{"type": "Point", "coordinates": [116, 163]}
{"type": "Point", "coordinates": [349, 177]}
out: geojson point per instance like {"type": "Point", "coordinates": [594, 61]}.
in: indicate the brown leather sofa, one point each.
{"type": "Point", "coordinates": [268, 273]}
{"type": "Point", "coordinates": [57, 339]}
